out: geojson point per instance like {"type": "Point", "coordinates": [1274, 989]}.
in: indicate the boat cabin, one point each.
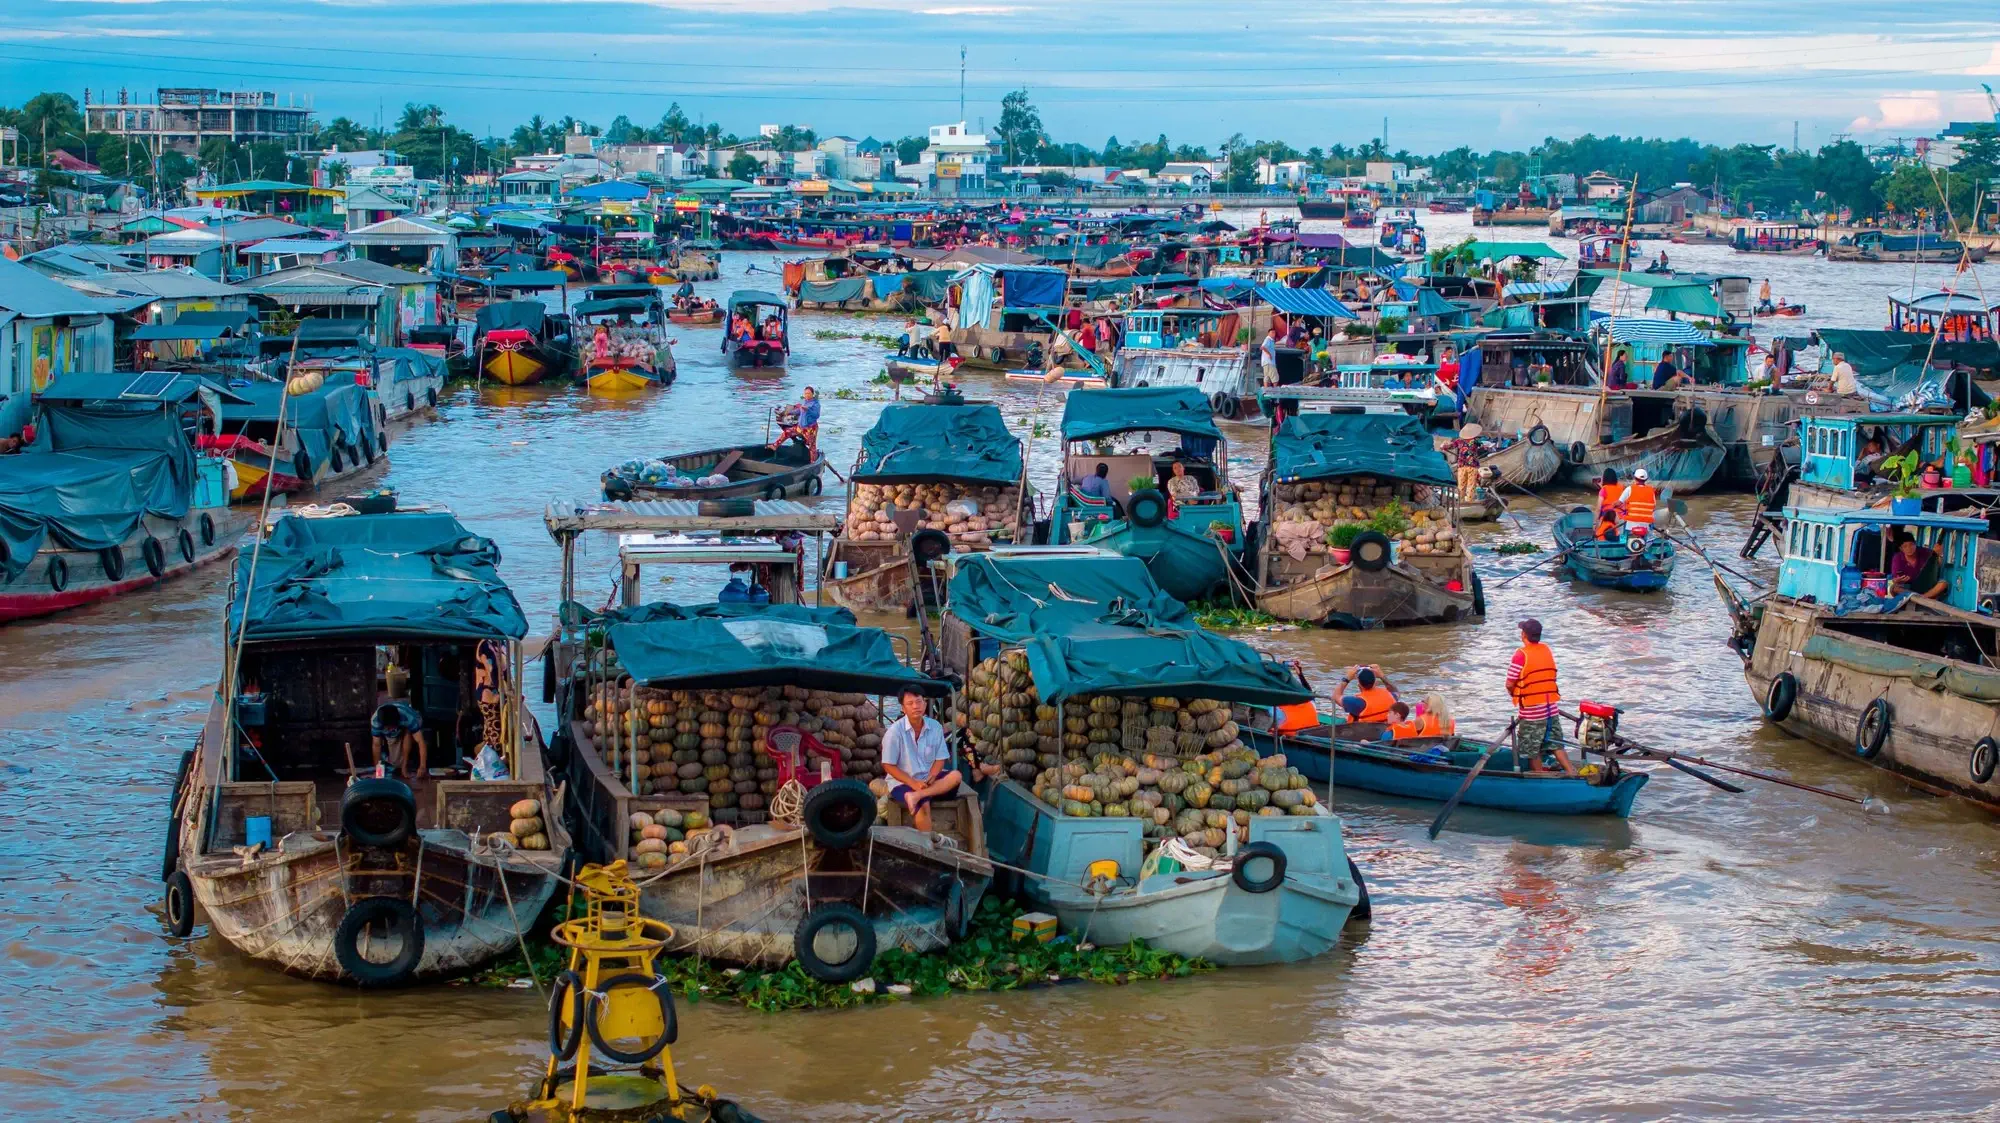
{"type": "Point", "coordinates": [1773, 237]}
{"type": "Point", "coordinates": [1163, 329]}
{"type": "Point", "coordinates": [1835, 450]}
{"type": "Point", "coordinates": [1954, 317]}
{"type": "Point", "coordinates": [1831, 555]}
{"type": "Point", "coordinates": [1510, 360]}
{"type": "Point", "coordinates": [762, 570]}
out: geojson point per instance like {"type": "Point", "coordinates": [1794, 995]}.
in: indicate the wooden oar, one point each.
{"type": "Point", "coordinates": [1530, 569]}
{"type": "Point", "coordinates": [1869, 803]}
{"type": "Point", "coordinates": [1451, 804]}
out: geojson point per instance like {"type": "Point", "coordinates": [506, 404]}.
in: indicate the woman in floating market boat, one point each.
{"type": "Point", "coordinates": [1915, 569]}
{"type": "Point", "coordinates": [1617, 380]}
{"type": "Point", "coordinates": [1463, 452]}
{"type": "Point", "coordinates": [1181, 487]}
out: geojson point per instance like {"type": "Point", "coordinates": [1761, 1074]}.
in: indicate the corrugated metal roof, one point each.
{"type": "Point", "coordinates": [28, 293]}
{"type": "Point", "coordinates": [154, 284]}
{"type": "Point", "coordinates": [295, 245]}
{"type": "Point", "coordinates": [773, 516]}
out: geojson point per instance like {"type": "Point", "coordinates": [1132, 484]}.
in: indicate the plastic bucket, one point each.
{"type": "Point", "coordinates": [840, 571]}
{"type": "Point", "coordinates": [256, 829]}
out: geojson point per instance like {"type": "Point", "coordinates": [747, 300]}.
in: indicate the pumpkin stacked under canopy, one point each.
{"type": "Point", "coordinates": [660, 837]}
{"type": "Point", "coordinates": [972, 514]}
{"type": "Point", "coordinates": [1410, 513]}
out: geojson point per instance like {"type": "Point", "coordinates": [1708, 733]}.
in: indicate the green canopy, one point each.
{"type": "Point", "coordinates": [766, 645]}
{"type": "Point", "coordinates": [920, 442]}
{"type": "Point", "coordinates": [1689, 300]}
{"type": "Point", "coordinates": [1317, 446]}
{"type": "Point", "coordinates": [1101, 413]}
{"type": "Point", "coordinates": [93, 474]}
{"type": "Point", "coordinates": [410, 576]}
{"type": "Point", "coordinates": [1493, 251]}
{"type": "Point", "coordinates": [1878, 352]}
{"type": "Point", "coordinates": [1100, 625]}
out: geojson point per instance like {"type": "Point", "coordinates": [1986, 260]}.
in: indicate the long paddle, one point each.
{"type": "Point", "coordinates": [1451, 804]}
{"type": "Point", "coordinates": [1704, 777]}
{"type": "Point", "coordinates": [1869, 803]}
{"type": "Point", "coordinates": [1530, 569]}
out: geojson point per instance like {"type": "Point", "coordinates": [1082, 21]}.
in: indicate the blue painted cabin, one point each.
{"type": "Point", "coordinates": [1828, 551]}
{"type": "Point", "coordinates": [1830, 447]}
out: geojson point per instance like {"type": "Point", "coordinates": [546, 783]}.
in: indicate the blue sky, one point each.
{"type": "Point", "coordinates": [1487, 74]}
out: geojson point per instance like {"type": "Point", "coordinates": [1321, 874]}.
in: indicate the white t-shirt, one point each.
{"type": "Point", "coordinates": [914, 753]}
{"type": "Point", "coordinates": [1843, 377]}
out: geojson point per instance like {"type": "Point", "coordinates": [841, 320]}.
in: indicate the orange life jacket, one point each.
{"type": "Point", "coordinates": [1607, 498]}
{"type": "Point", "coordinates": [1402, 729]}
{"type": "Point", "coordinates": [1640, 501]}
{"type": "Point", "coordinates": [1293, 718]}
{"type": "Point", "coordinates": [1537, 684]}
{"type": "Point", "coordinates": [1430, 726]}
{"type": "Point", "coordinates": [1375, 703]}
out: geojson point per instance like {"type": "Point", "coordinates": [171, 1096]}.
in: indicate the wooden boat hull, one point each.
{"type": "Point", "coordinates": [789, 482]}
{"type": "Point", "coordinates": [875, 581]}
{"type": "Point", "coordinates": [1610, 564]}
{"type": "Point", "coordinates": [1942, 255]}
{"type": "Point", "coordinates": [1525, 464]}
{"type": "Point", "coordinates": [1349, 596]}
{"type": "Point", "coordinates": [627, 379]}
{"type": "Point", "coordinates": [515, 368]}
{"type": "Point", "coordinates": [759, 356]}
{"type": "Point", "coordinates": [1364, 766]}
{"type": "Point", "coordinates": [1194, 913]}
{"type": "Point", "coordinates": [712, 316]}
{"type": "Point", "coordinates": [1671, 460]}
{"type": "Point", "coordinates": [1752, 428]}
{"type": "Point", "coordinates": [1808, 250]}
{"type": "Point", "coordinates": [212, 534]}
{"type": "Point", "coordinates": [1932, 730]}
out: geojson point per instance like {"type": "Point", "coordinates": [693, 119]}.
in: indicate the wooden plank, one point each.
{"type": "Point", "coordinates": [773, 516]}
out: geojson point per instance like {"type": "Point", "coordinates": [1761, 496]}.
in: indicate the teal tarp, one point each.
{"type": "Point", "coordinates": [338, 414]}
{"type": "Point", "coordinates": [89, 478]}
{"type": "Point", "coordinates": [1172, 409]}
{"type": "Point", "coordinates": [1892, 363]}
{"type": "Point", "coordinates": [1314, 446]}
{"type": "Point", "coordinates": [774, 645]}
{"type": "Point", "coordinates": [928, 285]}
{"type": "Point", "coordinates": [1100, 625]}
{"type": "Point", "coordinates": [834, 292]}
{"type": "Point", "coordinates": [920, 442]}
{"type": "Point", "coordinates": [410, 575]}
{"type": "Point", "coordinates": [512, 315]}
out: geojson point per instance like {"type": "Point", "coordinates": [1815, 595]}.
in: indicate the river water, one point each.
{"type": "Point", "coordinates": [1770, 955]}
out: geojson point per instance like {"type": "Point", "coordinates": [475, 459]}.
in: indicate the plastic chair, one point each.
{"type": "Point", "coordinates": [792, 747]}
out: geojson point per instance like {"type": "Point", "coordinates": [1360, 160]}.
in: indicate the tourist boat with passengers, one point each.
{"type": "Point", "coordinates": [297, 851]}
{"type": "Point", "coordinates": [111, 496]}
{"type": "Point", "coordinates": [1189, 544]}
{"type": "Point", "coordinates": [1918, 246]}
{"type": "Point", "coordinates": [1085, 635]}
{"type": "Point", "coordinates": [756, 333]}
{"type": "Point", "coordinates": [622, 343]}
{"type": "Point", "coordinates": [1626, 562]}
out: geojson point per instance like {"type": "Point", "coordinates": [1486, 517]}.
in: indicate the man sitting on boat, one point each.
{"type": "Point", "coordinates": [1915, 569]}
{"type": "Point", "coordinates": [396, 723]}
{"type": "Point", "coordinates": [1097, 485]}
{"type": "Point", "coordinates": [917, 761]}
{"type": "Point", "coordinates": [1637, 504]}
{"type": "Point", "coordinates": [1374, 690]}
{"type": "Point", "coordinates": [1531, 683]}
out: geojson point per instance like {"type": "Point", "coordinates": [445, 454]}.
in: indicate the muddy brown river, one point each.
{"type": "Point", "coordinates": [1770, 955]}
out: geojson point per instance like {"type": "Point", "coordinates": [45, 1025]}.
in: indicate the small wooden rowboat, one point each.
{"type": "Point", "coordinates": [782, 471]}
{"type": "Point", "coordinates": [1612, 563]}
{"type": "Point", "coordinates": [697, 317]}
{"type": "Point", "coordinates": [1433, 768]}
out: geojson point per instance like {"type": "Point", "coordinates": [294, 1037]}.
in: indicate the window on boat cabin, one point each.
{"type": "Point", "coordinates": [1818, 542]}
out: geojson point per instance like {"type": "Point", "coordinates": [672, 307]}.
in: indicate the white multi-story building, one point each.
{"type": "Point", "coordinates": [1281, 173]}
{"type": "Point", "coordinates": [956, 162]}
{"type": "Point", "coordinates": [1198, 178]}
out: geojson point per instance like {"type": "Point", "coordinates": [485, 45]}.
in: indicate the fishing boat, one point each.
{"type": "Point", "coordinates": [1435, 768]}
{"type": "Point", "coordinates": [783, 470]}
{"type": "Point", "coordinates": [622, 344]}
{"type": "Point", "coordinates": [1784, 239]}
{"type": "Point", "coordinates": [764, 341]}
{"type": "Point", "coordinates": [111, 496]}
{"type": "Point", "coordinates": [307, 432]}
{"type": "Point", "coordinates": [930, 480]}
{"type": "Point", "coordinates": [778, 851]}
{"type": "Point", "coordinates": [519, 343]}
{"type": "Point", "coordinates": [1632, 563]}
{"type": "Point", "coordinates": [405, 380]}
{"type": "Point", "coordinates": [1905, 683]}
{"type": "Point", "coordinates": [1881, 245]}
{"type": "Point", "coordinates": [1399, 560]}
{"type": "Point", "coordinates": [1087, 635]}
{"type": "Point", "coordinates": [299, 853]}
{"type": "Point", "coordinates": [1186, 347]}
{"type": "Point", "coordinates": [1189, 546]}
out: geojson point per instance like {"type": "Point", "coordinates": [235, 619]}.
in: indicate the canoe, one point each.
{"type": "Point", "coordinates": [1187, 912]}
{"type": "Point", "coordinates": [705, 316]}
{"type": "Point", "coordinates": [1611, 564]}
{"type": "Point", "coordinates": [1391, 768]}
{"type": "Point", "coordinates": [782, 471]}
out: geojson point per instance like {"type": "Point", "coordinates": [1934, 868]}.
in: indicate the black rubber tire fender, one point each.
{"type": "Point", "coordinates": [178, 904]}
{"type": "Point", "coordinates": [1146, 508]}
{"type": "Point", "coordinates": [670, 1031]}
{"type": "Point", "coordinates": [185, 540]}
{"type": "Point", "coordinates": [774, 491]}
{"type": "Point", "coordinates": [1232, 408]}
{"type": "Point", "coordinates": [170, 859]}
{"type": "Point", "coordinates": [1478, 596]}
{"type": "Point", "coordinates": [431, 397]}
{"type": "Point", "coordinates": [1364, 909]}
{"type": "Point", "coordinates": [1217, 401]}
{"type": "Point", "coordinates": [1539, 435]}
{"type": "Point", "coordinates": [207, 525]}
{"type": "Point", "coordinates": [1370, 551]}
{"type": "Point", "coordinates": [409, 401]}
{"type": "Point", "coordinates": [814, 485]}
{"type": "Point", "coordinates": [1577, 453]}
{"type": "Point", "coordinates": [839, 813]}
{"type": "Point", "coordinates": [1873, 728]}
{"type": "Point", "coordinates": [826, 916]}
{"type": "Point", "coordinates": [928, 545]}
{"type": "Point", "coordinates": [302, 466]}
{"type": "Point", "coordinates": [567, 987]}
{"type": "Point", "coordinates": [1781, 696]}
{"type": "Point", "coordinates": [334, 462]}
{"type": "Point", "coordinates": [1240, 871]}
{"type": "Point", "coordinates": [112, 560]}
{"type": "Point", "coordinates": [1984, 760]}
{"type": "Point", "coordinates": [369, 911]}
{"type": "Point", "coordinates": [58, 573]}
{"type": "Point", "coordinates": [378, 812]}
{"type": "Point", "coordinates": [154, 553]}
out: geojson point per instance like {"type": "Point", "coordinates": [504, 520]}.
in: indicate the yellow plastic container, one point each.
{"type": "Point", "coordinates": [1037, 926]}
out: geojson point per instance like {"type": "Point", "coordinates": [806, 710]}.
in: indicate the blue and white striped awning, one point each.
{"type": "Point", "coordinates": [1657, 331]}
{"type": "Point", "coordinates": [1304, 302]}
{"type": "Point", "coordinates": [1535, 288]}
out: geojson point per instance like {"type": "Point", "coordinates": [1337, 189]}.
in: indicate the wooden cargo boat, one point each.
{"type": "Point", "coordinates": [308, 432]}
{"type": "Point", "coordinates": [1595, 430]}
{"type": "Point", "coordinates": [782, 471]}
{"type": "Point", "coordinates": [519, 343]}
{"type": "Point", "coordinates": [622, 343]}
{"type": "Point", "coordinates": [1783, 239]}
{"type": "Point", "coordinates": [1612, 563]}
{"type": "Point", "coordinates": [111, 498]}
{"type": "Point", "coordinates": [341, 875]}
{"type": "Point", "coordinates": [1188, 546]}
{"type": "Point", "coordinates": [921, 472]}
{"type": "Point", "coordinates": [1271, 887]}
{"type": "Point", "coordinates": [1327, 470]}
{"type": "Point", "coordinates": [1906, 684]}
{"type": "Point", "coordinates": [762, 340]}
{"type": "Point", "coordinates": [1881, 245]}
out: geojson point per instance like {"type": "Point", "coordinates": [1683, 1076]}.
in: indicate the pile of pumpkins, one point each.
{"type": "Point", "coordinates": [526, 830]}
{"type": "Point", "coordinates": [711, 742]}
{"type": "Point", "coordinates": [660, 837]}
{"type": "Point", "coordinates": [1311, 508]}
{"type": "Point", "coordinates": [871, 506]}
{"type": "Point", "coordinates": [1196, 799]}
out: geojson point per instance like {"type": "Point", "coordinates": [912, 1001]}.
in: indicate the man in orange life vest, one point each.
{"type": "Point", "coordinates": [1531, 682]}
{"type": "Point", "coordinates": [1375, 692]}
{"type": "Point", "coordinates": [1639, 501]}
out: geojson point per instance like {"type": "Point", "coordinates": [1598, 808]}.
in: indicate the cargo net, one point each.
{"type": "Point", "coordinates": [974, 516]}
{"type": "Point", "coordinates": [1178, 765]}
{"type": "Point", "coordinates": [1410, 513]}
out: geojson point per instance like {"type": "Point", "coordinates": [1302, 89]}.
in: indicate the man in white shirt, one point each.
{"type": "Point", "coordinates": [1844, 381]}
{"type": "Point", "coordinates": [917, 761]}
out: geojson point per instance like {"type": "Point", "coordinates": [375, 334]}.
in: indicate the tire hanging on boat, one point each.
{"type": "Point", "coordinates": [1539, 435]}
{"type": "Point", "coordinates": [378, 812]}
{"type": "Point", "coordinates": [1781, 696]}
{"type": "Point", "coordinates": [670, 1021]}
{"type": "Point", "coordinates": [402, 922]}
{"type": "Point", "coordinates": [1370, 551]}
{"type": "Point", "coordinates": [1364, 909]}
{"type": "Point", "coordinates": [1250, 883]}
{"type": "Point", "coordinates": [154, 554]}
{"type": "Point", "coordinates": [834, 915]}
{"type": "Point", "coordinates": [838, 814]}
{"type": "Point", "coordinates": [1985, 759]}
{"type": "Point", "coordinates": [1147, 508]}
{"type": "Point", "coordinates": [112, 559]}
{"type": "Point", "coordinates": [1873, 728]}
{"type": "Point", "coordinates": [178, 905]}
{"type": "Point", "coordinates": [185, 541]}
{"type": "Point", "coordinates": [58, 574]}
{"type": "Point", "coordinates": [207, 524]}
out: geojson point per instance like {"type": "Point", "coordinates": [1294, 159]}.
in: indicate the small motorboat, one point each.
{"type": "Point", "coordinates": [1638, 563]}
{"type": "Point", "coordinates": [765, 341]}
{"type": "Point", "coordinates": [783, 470]}
{"type": "Point", "coordinates": [706, 312]}
{"type": "Point", "coordinates": [1781, 308]}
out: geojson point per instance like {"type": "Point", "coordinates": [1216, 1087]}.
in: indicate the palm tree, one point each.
{"type": "Point", "coordinates": [417, 117]}
{"type": "Point", "coordinates": [342, 132]}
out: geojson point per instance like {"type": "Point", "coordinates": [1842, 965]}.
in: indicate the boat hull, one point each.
{"type": "Point", "coordinates": [1348, 596]}
{"type": "Point", "coordinates": [1671, 460]}
{"type": "Point", "coordinates": [86, 582]}
{"type": "Point", "coordinates": [515, 368]}
{"type": "Point", "coordinates": [1189, 567]}
{"type": "Point", "coordinates": [613, 380]}
{"type": "Point", "coordinates": [1610, 564]}
{"type": "Point", "coordinates": [1526, 464]}
{"type": "Point", "coordinates": [1499, 786]}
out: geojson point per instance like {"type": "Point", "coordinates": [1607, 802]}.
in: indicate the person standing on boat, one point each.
{"type": "Point", "coordinates": [1267, 356]}
{"type": "Point", "coordinates": [1377, 694]}
{"type": "Point", "coordinates": [1637, 504]}
{"type": "Point", "coordinates": [806, 428]}
{"type": "Point", "coordinates": [1531, 683]}
{"type": "Point", "coordinates": [1463, 452]}
{"type": "Point", "coordinates": [1764, 305]}
{"type": "Point", "coordinates": [917, 761]}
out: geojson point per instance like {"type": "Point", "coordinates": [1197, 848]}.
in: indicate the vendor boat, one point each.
{"type": "Point", "coordinates": [1526, 460]}
{"type": "Point", "coordinates": [308, 432]}
{"type": "Point", "coordinates": [930, 480]}
{"type": "Point", "coordinates": [1632, 563]}
{"type": "Point", "coordinates": [622, 343]}
{"type": "Point", "coordinates": [766, 344]}
{"type": "Point", "coordinates": [1381, 474]}
{"type": "Point", "coordinates": [110, 497]}
{"type": "Point", "coordinates": [1881, 245]}
{"type": "Point", "coordinates": [1088, 635]}
{"type": "Point", "coordinates": [705, 313]}
{"type": "Point", "coordinates": [1904, 683]}
{"type": "Point", "coordinates": [783, 470]}
{"type": "Point", "coordinates": [518, 343]}
{"type": "Point", "coordinates": [1188, 546]}
{"type": "Point", "coordinates": [297, 852]}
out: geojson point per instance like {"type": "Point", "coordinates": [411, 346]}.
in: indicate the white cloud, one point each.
{"type": "Point", "coordinates": [1990, 66]}
{"type": "Point", "coordinates": [1920, 110]}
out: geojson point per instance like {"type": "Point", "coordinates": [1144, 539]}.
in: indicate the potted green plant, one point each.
{"type": "Point", "coordinates": [1142, 483]}
{"type": "Point", "coordinates": [1904, 470]}
{"type": "Point", "coordinates": [1221, 531]}
{"type": "Point", "coordinates": [1340, 541]}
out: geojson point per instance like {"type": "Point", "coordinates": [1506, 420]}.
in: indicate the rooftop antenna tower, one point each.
{"type": "Point", "coordinates": [961, 81]}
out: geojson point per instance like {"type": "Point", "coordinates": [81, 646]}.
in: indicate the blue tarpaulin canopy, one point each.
{"type": "Point", "coordinates": [1318, 446]}
{"type": "Point", "coordinates": [1034, 288]}
{"type": "Point", "coordinates": [764, 646]}
{"type": "Point", "coordinates": [1169, 409]}
{"type": "Point", "coordinates": [926, 442]}
{"type": "Point", "coordinates": [92, 475]}
{"type": "Point", "coordinates": [1304, 302]}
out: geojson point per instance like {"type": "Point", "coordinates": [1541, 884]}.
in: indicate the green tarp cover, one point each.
{"type": "Point", "coordinates": [335, 415]}
{"type": "Point", "coordinates": [1090, 257]}
{"type": "Point", "coordinates": [1931, 674]}
{"type": "Point", "coordinates": [1100, 625]}
{"type": "Point", "coordinates": [774, 645]}
{"type": "Point", "coordinates": [1688, 300]}
{"type": "Point", "coordinates": [1173, 409]}
{"type": "Point", "coordinates": [1878, 352]}
{"type": "Point", "coordinates": [512, 315]}
{"type": "Point", "coordinates": [630, 306]}
{"type": "Point", "coordinates": [1493, 251]}
{"type": "Point", "coordinates": [920, 442]}
{"type": "Point", "coordinates": [577, 614]}
{"type": "Point", "coordinates": [929, 285]}
{"type": "Point", "coordinates": [834, 292]}
{"type": "Point", "coordinates": [89, 478]}
{"type": "Point", "coordinates": [1315, 446]}
{"type": "Point", "coordinates": [410, 575]}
